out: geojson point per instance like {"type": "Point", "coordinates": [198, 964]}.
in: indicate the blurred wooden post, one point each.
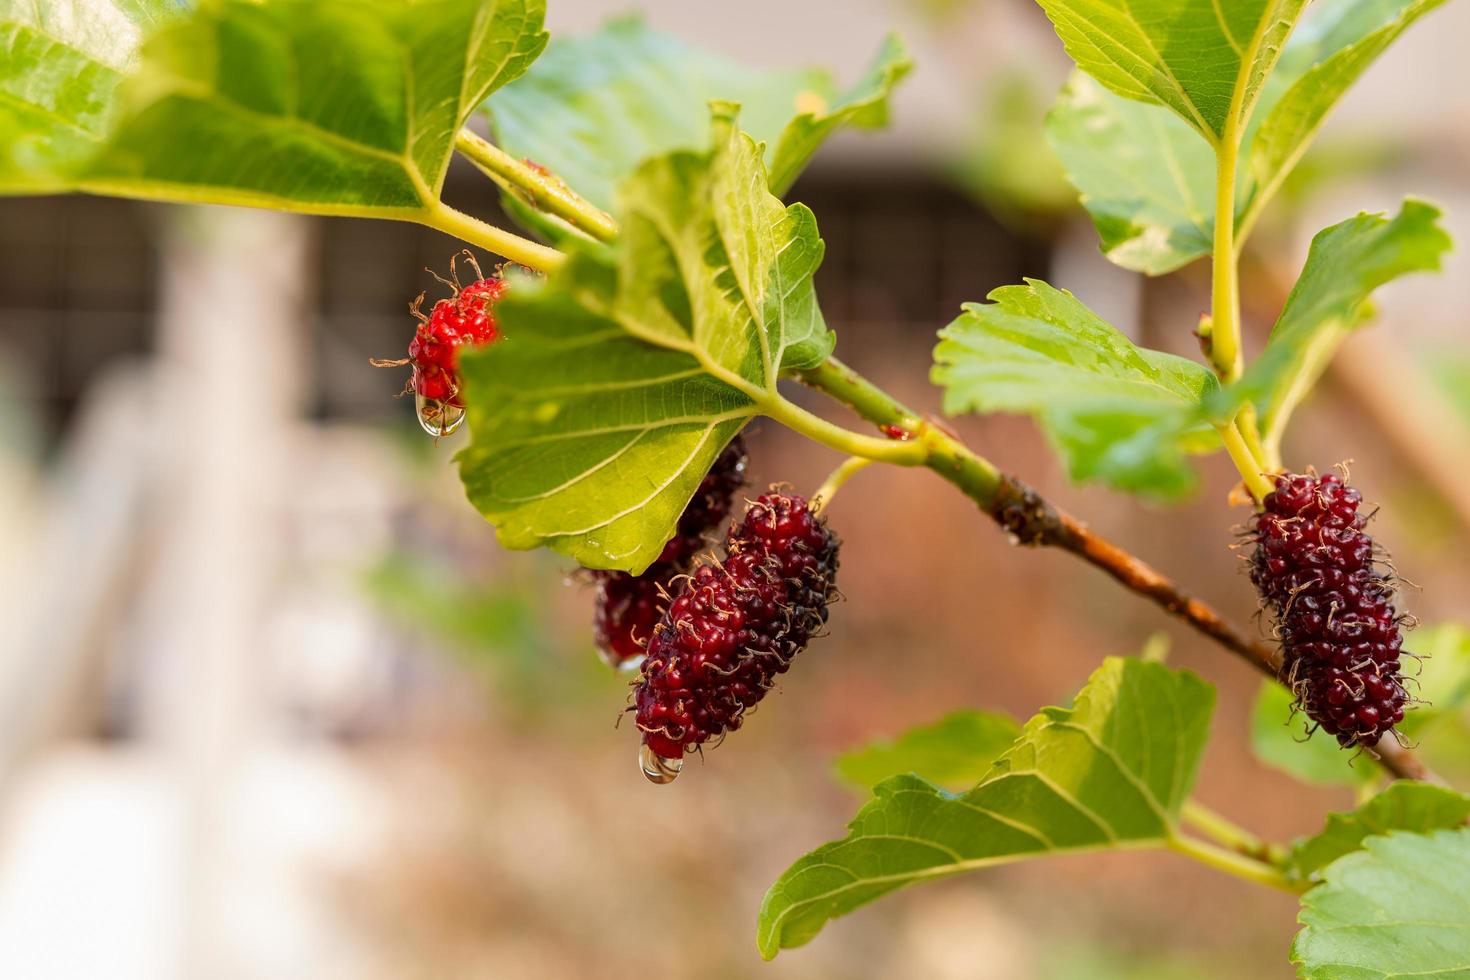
{"type": "Point", "coordinates": [233, 298]}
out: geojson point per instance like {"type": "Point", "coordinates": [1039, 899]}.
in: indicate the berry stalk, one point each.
{"type": "Point", "coordinates": [467, 228]}
{"type": "Point", "coordinates": [1236, 865]}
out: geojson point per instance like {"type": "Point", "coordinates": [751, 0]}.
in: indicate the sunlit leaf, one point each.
{"type": "Point", "coordinates": [1351, 38]}
{"type": "Point", "coordinates": [1147, 178]}
{"type": "Point", "coordinates": [1203, 59]}
{"type": "Point", "coordinates": [622, 376]}
{"type": "Point", "coordinates": [58, 81]}
{"type": "Point", "coordinates": [595, 107]}
{"type": "Point", "coordinates": [324, 106]}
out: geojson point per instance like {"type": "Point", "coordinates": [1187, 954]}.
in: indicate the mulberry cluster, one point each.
{"type": "Point", "coordinates": [733, 629]}
{"type": "Point", "coordinates": [465, 318]}
{"type": "Point", "coordinates": [628, 606]}
{"type": "Point", "coordinates": [1314, 566]}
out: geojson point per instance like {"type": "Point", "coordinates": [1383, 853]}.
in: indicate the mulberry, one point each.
{"type": "Point", "coordinates": [733, 629]}
{"type": "Point", "coordinates": [466, 318]}
{"type": "Point", "coordinates": [1341, 637]}
{"type": "Point", "coordinates": [628, 606]}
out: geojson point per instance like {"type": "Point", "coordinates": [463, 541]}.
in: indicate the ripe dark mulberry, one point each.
{"type": "Point", "coordinates": [465, 318]}
{"type": "Point", "coordinates": [1341, 637]}
{"type": "Point", "coordinates": [628, 606]}
{"type": "Point", "coordinates": [734, 628]}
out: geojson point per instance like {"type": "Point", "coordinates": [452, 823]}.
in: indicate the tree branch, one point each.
{"type": "Point", "coordinates": [1032, 520]}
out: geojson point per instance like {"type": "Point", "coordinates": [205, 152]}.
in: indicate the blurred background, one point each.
{"type": "Point", "coordinates": [274, 704]}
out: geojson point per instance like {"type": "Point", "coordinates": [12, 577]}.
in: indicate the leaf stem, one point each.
{"type": "Point", "coordinates": [835, 481]}
{"type": "Point", "coordinates": [818, 429]}
{"type": "Point", "coordinates": [980, 479]}
{"type": "Point", "coordinates": [442, 217]}
{"type": "Point", "coordinates": [537, 186]}
{"type": "Point", "coordinates": [1235, 864]}
{"type": "Point", "coordinates": [1251, 469]}
{"type": "Point", "coordinates": [1227, 833]}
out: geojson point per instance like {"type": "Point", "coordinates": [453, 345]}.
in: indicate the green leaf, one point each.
{"type": "Point", "coordinates": [864, 106]}
{"type": "Point", "coordinates": [1146, 178]}
{"type": "Point", "coordinates": [1397, 908]}
{"type": "Point", "coordinates": [953, 752]}
{"type": "Point", "coordinates": [1112, 410]}
{"type": "Point", "coordinates": [1007, 164]}
{"type": "Point", "coordinates": [1345, 264]}
{"type": "Point", "coordinates": [622, 376]}
{"type": "Point", "coordinates": [1346, 44]}
{"type": "Point", "coordinates": [1279, 739]}
{"type": "Point", "coordinates": [1441, 677]}
{"type": "Point", "coordinates": [64, 60]}
{"type": "Point", "coordinates": [1112, 771]}
{"type": "Point", "coordinates": [1404, 805]}
{"type": "Point", "coordinates": [1203, 59]}
{"type": "Point", "coordinates": [325, 106]}
{"type": "Point", "coordinates": [597, 106]}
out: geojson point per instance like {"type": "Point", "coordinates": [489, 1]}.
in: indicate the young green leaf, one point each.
{"type": "Point", "coordinates": [1146, 178]}
{"type": "Point", "coordinates": [327, 106]}
{"type": "Point", "coordinates": [622, 376]}
{"type": "Point", "coordinates": [595, 107]}
{"type": "Point", "coordinates": [1441, 677]}
{"type": "Point", "coordinates": [64, 60]}
{"type": "Point", "coordinates": [1112, 771]}
{"type": "Point", "coordinates": [1397, 908]}
{"type": "Point", "coordinates": [1113, 410]}
{"type": "Point", "coordinates": [1203, 59]}
{"type": "Point", "coordinates": [864, 106]}
{"type": "Point", "coordinates": [953, 752]}
{"type": "Point", "coordinates": [1404, 805]}
{"type": "Point", "coordinates": [1347, 45]}
{"type": "Point", "coordinates": [1345, 264]}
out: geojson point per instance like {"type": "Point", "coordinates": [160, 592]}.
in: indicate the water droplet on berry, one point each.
{"type": "Point", "coordinates": [657, 768]}
{"type": "Point", "coordinates": [438, 418]}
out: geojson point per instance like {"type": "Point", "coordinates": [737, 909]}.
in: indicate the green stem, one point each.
{"type": "Point", "coordinates": [534, 255]}
{"type": "Point", "coordinates": [1250, 429]}
{"type": "Point", "coordinates": [1225, 287]}
{"type": "Point", "coordinates": [818, 429]}
{"type": "Point", "coordinates": [835, 481]}
{"type": "Point", "coordinates": [1225, 832]}
{"type": "Point", "coordinates": [1234, 864]}
{"type": "Point", "coordinates": [1245, 461]}
{"type": "Point", "coordinates": [538, 187]}
{"type": "Point", "coordinates": [980, 480]}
